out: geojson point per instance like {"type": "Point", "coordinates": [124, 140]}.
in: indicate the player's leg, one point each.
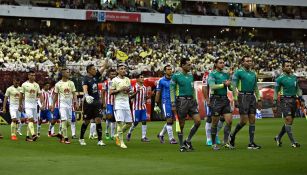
{"type": "Point", "coordinates": [160, 136]}
{"type": "Point", "coordinates": [73, 125]}
{"type": "Point", "coordinates": [31, 114]}
{"type": "Point", "coordinates": [227, 129]}
{"type": "Point", "coordinates": [21, 121]}
{"type": "Point", "coordinates": [243, 110]}
{"type": "Point", "coordinates": [108, 126]}
{"type": "Point", "coordinates": [65, 118]}
{"type": "Point", "coordinates": [252, 122]}
{"type": "Point", "coordinates": [144, 126]}
{"type": "Point", "coordinates": [137, 119]}
{"type": "Point", "coordinates": [291, 102]}
{"type": "Point", "coordinates": [14, 116]}
{"type": "Point", "coordinates": [86, 121]}
{"type": "Point", "coordinates": [220, 125]}
{"type": "Point", "coordinates": [216, 107]}
{"type": "Point", "coordinates": [92, 133]}
{"type": "Point", "coordinates": [182, 112]}
{"type": "Point", "coordinates": [192, 111]}
{"type": "Point", "coordinates": [112, 126]}
{"type": "Point", "coordinates": [120, 119]}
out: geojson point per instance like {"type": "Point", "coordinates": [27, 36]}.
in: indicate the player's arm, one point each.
{"type": "Point", "coordinates": [7, 94]}
{"type": "Point", "coordinates": [234, 83]}
{"type": "Point", "coordinates": [299, 94]}
{"type": "Point", "coordinates": [173, 89]}
{"type": "Point", "coordinates": [75, 99]}
{"type": "Point", "coordinates": [21, 97]}
{"type": "Point", "coordinates": [212, 84]}
{"type": "Point", "coordinates": [55, 97]}
{"type": "Point", "coordinates": [104, 67]}
{"type": "Point", "coordinates": [257, 92]}
{"type": "Point", "coordinates": [103, 93]}
{"type": "Point", "coordinates": [276, 90]}
{"type": "Point", "coordinates": [134, 92]}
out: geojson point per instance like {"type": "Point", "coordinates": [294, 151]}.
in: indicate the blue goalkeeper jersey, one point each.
{"type": "Point", "coordinates": [163, 85]}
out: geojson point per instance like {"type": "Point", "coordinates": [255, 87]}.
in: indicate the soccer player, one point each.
{"type": "Point", "coordinates": [12, 93]}
{"type": "Point", "coordinates": [184, 103]}
{"type": "Point", "coordinates": [219, 82]}
{"type": "Point", "coordinates": [206, 93]}
{"type": "Point", "coordinates": [288, 87]}
{"type": "Point", "coordinates": [65, 90]}
{"type": "Point", "coordinates": [29, 92]}
{"type": "Point", "coordinates": [163, 91]}
{"type": "Point", "coordinates": [92, 104]}
{"type": "Point", "coordinates": [139, 97]}
{"type": "Point", "coordinates": [121, 88]}
{"type": "Point", "coordinates": [108, 101]}
{"type": "Point", "coordinates": [45, 114]}
{"type": "Point", "coordinates": [245, 81]}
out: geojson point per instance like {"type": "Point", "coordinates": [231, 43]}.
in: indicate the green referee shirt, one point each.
{"type": "Point", "coordinates": [216, 82]}
{"type": "Point", "coordinates": [182, 85]}
{"type": "Point", "coordinates": [245, 81]}
{"type": "Point", "coordinates": [287, 84]}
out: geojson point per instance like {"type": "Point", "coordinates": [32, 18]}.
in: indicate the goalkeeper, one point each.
{"type": "Point", "coordinates": [163, 90]}
{"type": "Point", "coordinates": [92, 102]}
{"type": "Point", "coordinates": [184, 103]}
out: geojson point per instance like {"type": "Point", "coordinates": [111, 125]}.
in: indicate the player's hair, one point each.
{"type": "Point", "coordinates": [183, 61]}
{"type": "Point", "coordinates": [46, 82]}
{"type": "Point", "coordinates": [31, 72]}
{"type": "Point", "coordinates": [216, 61]}
{"type": "Point", "coordinates": [164, 69]}
{"type": "Point", "coordinates": [88, 67]}
{"type": "Point", "coordinates": [244, 57]}
{"type": "Point", "coordinates": [137, 75]}
{"type": "Point", "coordinates": [16, 79]}
{"type": "Point", "coordinates": [121, 65]}
{"type": "Point", "coordinates": [285, 62]}
{"type": "Point", "coordinates": [111, 70]}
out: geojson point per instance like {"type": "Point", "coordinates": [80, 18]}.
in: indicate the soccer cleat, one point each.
{"type": "Point", "coordinates": [188, 145]}
{"type": "Point", "coordinates": [228, 146]}
{"type": "Point", "coordinates": [278, 141]}
{"type": "Point", "coordinates": [107, 136]}
{"type": "Point", "coordinates": [100, 143]}
{"type": "Point", "coordinates": [66, 141]}
{"type": "Point", "coordinates": [122, 145]}
{"type": "Point", "coordinates": [128, 137]}
{"type": "Point", "coordinates": [209, 142]}
{"type": "Point", "coordinates": [232, 140]}
{"type": "Point", "coordinates": [82, 142]}
{"type": "Point", "coordinates": [172, 141]}
{"type": "Point", "coordinates": [145, 139]}
{"type": "Point", "coordinates": [215, 147]}
{"type": "Point", "coordinates": [296, 145]}
{"type": "Point", "coordinates": [74, 137]}
{"type": "Point", "coordinates": [91, 137]}
{"type": "Point", "coordinates": [28, 139]}
{"type": "Point", "coordinates": [34, 137]}
{"type": "Point", "coordinates": [217, 140]}
{"type": "Point", "coordinates": [183, 149]}
{"type": "Point", "coordinates": [14, 138]}
{"type": "Point", "coordinates": [253, 146]}
{"type": "Point", "coordinates": [38, 134]}
{"type": "Point", "coordinates": [19, 133]}
{"type": "Point", "coordinates": [117, 141]}
{"type": "Point", "coordinates": [161, 138]}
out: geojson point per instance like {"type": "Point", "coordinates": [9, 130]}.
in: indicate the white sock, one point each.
{"type": "Point", "coordinates": [73, 128]}
{"type": "Point", "coordinates": [219, 126]}
{"type": "Point", "coordinates": [92, 129]}
{"type": "Point", "coordinates": [107, 126]}
{"type": "Point", "coordinates": [50, 127]}
{"type": "Point", "coordinates": [144, 130]}
{"type": "Point", "coordinates": [163, 131]}
{"type": "Point", "coordinates": [113, 124]}
{"type": "Point", "coordinates": [169, 129]}
{"type": "Point", "coordinates": [208, 131]}
{"type": "Point", "coordinates": [131, 128]}
{"type": "Point", "coordinates": [52, 130]}
{"type": "Point", "coordinates": [39, 128]}
{"type": "Point", "coordinates": [19, 126]}
{"type": "Point", "coordinates": [60, 127]}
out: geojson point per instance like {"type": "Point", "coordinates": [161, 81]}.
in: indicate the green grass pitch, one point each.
{"type": "Point", "coordinates": [47, 156]}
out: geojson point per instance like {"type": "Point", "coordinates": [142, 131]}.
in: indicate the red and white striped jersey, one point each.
{"type": "Point", "coordinates": [46, 96]}
{"type": "Point", "coordinates": [108, 98]}
{"type": "Point", "coordinates": [139, 101]}
{"type": "Point", "coordinates": [52, 95]}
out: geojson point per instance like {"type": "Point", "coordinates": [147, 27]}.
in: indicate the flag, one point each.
{"type": "Point", "coordinates": [121, 55]}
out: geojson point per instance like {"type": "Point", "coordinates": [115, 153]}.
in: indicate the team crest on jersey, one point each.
{"type": "Point", "coordinates": [66, 91]}
{"type": "Point", "coordinates": [32, 91]}
{"type": "Point", "coordinates": [16, 95]}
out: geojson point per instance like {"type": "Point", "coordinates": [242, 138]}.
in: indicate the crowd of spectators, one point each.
{"type": "Point", "coordinates": [180, 7]}
{"type": "Point", "coordinates": [22, 52]}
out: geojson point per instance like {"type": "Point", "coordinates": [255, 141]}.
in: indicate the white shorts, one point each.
{"type": "Point", "coordinates": [15, 114]}
{"type": "Point", "coordinates": [31, 113]}
{"type": "Point", "coordinates": [66, 114]}
{"type": "Point", "coordinates": [123, 115]}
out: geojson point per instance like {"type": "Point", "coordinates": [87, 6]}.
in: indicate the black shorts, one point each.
{"type": "Point", "coordinates": [247, 104]}
{"type": "Point", "coordinates": [92, 111]}
{"type": "Point", "coordinates": [220, 105]}
{"type": "Point", "coordinates": [186, 106]}
{"type": "Point", "coordinates": [288, 106]}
